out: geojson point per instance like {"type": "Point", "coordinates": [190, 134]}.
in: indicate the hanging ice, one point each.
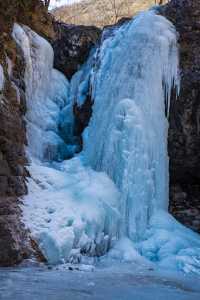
{"type": "Point", "coordinates": [75, 211]}
{"type": "Point", "coordinates": [127, 136]}
{"type": "Point", "coordinates": [71, 210]}
{"type": "Point", "coordinates": [136, 70]}
{"type": "Point", "coordinates": [46, 95]}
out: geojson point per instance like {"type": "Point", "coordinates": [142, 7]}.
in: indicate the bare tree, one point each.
{"type": "Point", "coordinates": [46, 3]}
{"type": "Point", "coordinates": [112, 10]}
{"type": "Point", "coordinates": [102, 12]}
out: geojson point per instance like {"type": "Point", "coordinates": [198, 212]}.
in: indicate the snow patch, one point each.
{"type": "Point", "coordinates": [71, 211]}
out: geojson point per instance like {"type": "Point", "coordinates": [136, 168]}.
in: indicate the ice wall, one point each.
{"type": "Point", "coordinates": [136, 69]}
{"type": "Point", "coordinates": [127, 135]}
{"type": "Point", "coordinates": [73, 209]}
{"type": "Point", "coordinates": [46, 96]}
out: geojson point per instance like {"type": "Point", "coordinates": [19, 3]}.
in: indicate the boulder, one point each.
{"type": "Point", "coordinates": [72, 46]}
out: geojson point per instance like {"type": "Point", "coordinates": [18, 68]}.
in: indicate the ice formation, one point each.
{"type": "Point", "coordinates": [117, 188]}
{"type": "Point", "coordinates": [128, 130]}
{"type": "Point", "coordinates": [80, 83]}
{"type": "Point", "coordinates": [1, 78]}
{"type": "Point", "coordinates": [46, 95]}
{"type": "Point", "coordinates": [71, 209]}
{"type": "Point", "coordinates": [137, 67]}
{"type": "Point", "coordinates": [131, 82]}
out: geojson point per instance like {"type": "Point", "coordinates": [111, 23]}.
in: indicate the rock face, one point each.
{"type": "Point", "coordinates": [184, 131]}
{"type": "Point", "coordinates": [72, 46]}
{"type": "Point", "coordinates": [12, 161]}
{"type": "Point", "coordinates": [28, 12]}
{"type": "Point", "coordinates": [14, 245]}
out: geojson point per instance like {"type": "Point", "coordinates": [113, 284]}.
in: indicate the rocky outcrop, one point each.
{"type": "Point", "coordinates": [14, 245]}
{"type": "Point", "coordinates": [28, 12]}
{"type": "Point", "coordinates": [12, 159]}
{"type": "Point", "coordinates": [72, 46]}
{"type": "Point", "coordinates": [184, 131]}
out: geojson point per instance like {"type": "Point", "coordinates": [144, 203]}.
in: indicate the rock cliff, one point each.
{"type": "Point", "coordinates": [184, 131]}
{"type": "Point", "coordinates": [72, 46]}
{"type": "Point", "coordinates": [13, 241]}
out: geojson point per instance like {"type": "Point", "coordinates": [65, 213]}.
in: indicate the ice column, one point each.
{"type": "Point", "coordinates": [127, 135]}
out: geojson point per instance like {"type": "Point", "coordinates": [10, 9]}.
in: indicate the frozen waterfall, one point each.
{"type": "Point", "coordinates": [110, 200]}
{"type": "Point", "coordinates": [127, 136]}
{"type": "Point", "coordinates": [71, 210]}
{"type": "Point", "coordinates": [46, 96]}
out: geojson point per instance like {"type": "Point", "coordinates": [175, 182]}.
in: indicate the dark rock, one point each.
{"type": "Point", "coordinates": [72, 46]}
{"type": "Point", "coordinates": [37, 252]}
{"type": "Point", "coordinates": [13, 247]}
{"type": "Point", "coordinates": [82, 115]}
{"type": "Point", "coordinates": [13, 135]}
{"type": "Point", "coordinates": [13, 239]}
{"type": "Point", "coordinates": [184, 131]}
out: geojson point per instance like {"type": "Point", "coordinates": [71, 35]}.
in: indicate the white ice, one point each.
{"type": "Point", "coordinates": [115, 194]}
{"type": "Point", "coordinates": [136, 69]}
{"type": "Point", "coordinates": [80, 83]}
{"type": "Point", "coordinates": [71, 210]}
{"type": "Point", "coordinates": [127, 135]}
{"type": "Point", "coordinates": [46, 96]}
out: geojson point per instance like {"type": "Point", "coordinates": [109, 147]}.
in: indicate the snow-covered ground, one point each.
{"type": "Point", "coordinates": [71, 209]}
{"type": "Point", "coordinates": [116, 283]}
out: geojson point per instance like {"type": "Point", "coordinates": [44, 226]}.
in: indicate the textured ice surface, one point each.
{"type": "Point", "coordinates": [127, 135]}
{"type": "Point", "coordinates": [75, 211]}
{"type": "Point", "coordinates": [137, 68]}
{"type": "Point", "coordinates": [80, 83]}
{"type": "Point", "coordinates": [123, 282]}
{"type": "Point", "coordinates": [71, 210]}
{"type": "Point", "coordinates": [170, 244]}
{"type": "Point", "coordinates": [46, 96]}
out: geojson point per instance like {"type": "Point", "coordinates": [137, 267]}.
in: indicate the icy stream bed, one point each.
{"type": "Point", "coordinates": [117, 283]}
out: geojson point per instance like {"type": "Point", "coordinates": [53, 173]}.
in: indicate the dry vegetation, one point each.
{"type": "Point", "coordinates": [102, 12]}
